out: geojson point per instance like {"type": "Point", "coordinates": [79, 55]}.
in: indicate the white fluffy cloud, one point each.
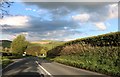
{"type": "Point", "coordinates": [81, 17]}
{"type": "Point", "coordinates": [100, 25]}
{"type": "Point", "coordinates": [86, 17]}
{"type": "Point", "coordinates": [15, 21]}
{"type": "Point", "coordinates": [97, 18]}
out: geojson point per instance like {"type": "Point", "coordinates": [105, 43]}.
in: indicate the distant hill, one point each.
{"type": "Point", "coordinates": [40, 42]}
{"type": "Point", "coordinates": [49, 44]}
{"type": "Point", "coordinates": [45, 42]}
{"type": "Point", "coordinates": [5, 43]}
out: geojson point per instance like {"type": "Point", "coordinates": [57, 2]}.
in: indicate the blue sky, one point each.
{"type": "Point", "coordinates": [59, 21]}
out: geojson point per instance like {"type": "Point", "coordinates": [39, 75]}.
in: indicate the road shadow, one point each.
{"type": "Point", "coordinates": [15, 65]}
{"type": "Point", "coordinates": [43, 60]}
{"type": "Point", "coordinates": [26, 74]}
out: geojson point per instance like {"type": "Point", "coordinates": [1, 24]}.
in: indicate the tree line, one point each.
{"type": "Point", "coordinates": [20, 46]}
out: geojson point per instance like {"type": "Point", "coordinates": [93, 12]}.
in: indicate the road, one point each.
{"type": "Point", "coordinates": [35, 67]}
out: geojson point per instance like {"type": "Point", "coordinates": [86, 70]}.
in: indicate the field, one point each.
{"type": "Point", "coordinates": [47, 43]}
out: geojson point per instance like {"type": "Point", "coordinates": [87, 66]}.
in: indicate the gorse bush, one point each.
{"type": "Point", "coordinates": [110, 39]}
{"type": "Point", "coordinates": [75, 48]}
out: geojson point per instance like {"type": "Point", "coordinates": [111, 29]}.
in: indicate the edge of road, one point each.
{"type": "Point", "coordinates": [54, 63]}
{"type": "Point", "coordinates": [13, 63]}
{"type": "Point", "coordinates": [87, 71]}
{"type": "Point", "coordinates": [43, 69]}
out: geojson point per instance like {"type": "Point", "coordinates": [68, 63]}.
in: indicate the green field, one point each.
{"type": "Point", "coordinates": [50, 45]}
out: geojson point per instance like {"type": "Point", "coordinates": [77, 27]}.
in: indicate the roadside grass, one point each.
{"type": "Point", "coordinates": [14, 57]}
{"type": "Point", "coordinates": [5, 61]}
{"type": "Point", "coordinates": [92, 65]}
{"type": "Point", "coordinates": [104, 60]}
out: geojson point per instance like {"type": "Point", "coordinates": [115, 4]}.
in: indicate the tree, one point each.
{"type": "Point", "coordinates": [33, 50]}
{"type": "Point", "coordinates": [19, 44]}
{"type": "Point", "coordinates": [36, 50]}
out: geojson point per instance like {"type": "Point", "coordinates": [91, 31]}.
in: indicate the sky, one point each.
{"type": "Point", "coordinates": [62, 21]}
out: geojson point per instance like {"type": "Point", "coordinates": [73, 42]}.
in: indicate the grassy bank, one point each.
{"type": "Point", "coordinates": [99, 53]}
{"type": "Point", "coordinates": [104, 60]}
{"type": "Point", "coordinates": [88, 65]}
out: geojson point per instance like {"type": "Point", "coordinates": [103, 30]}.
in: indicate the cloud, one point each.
{"type": "Point", "coordinates": [60, 20]}
{"type": "Point", "coordinates": [64, 8]}
{"type": "Point", "coordinates": [44, 29]}
{"type": "Point", "coordinates": [100, 25]}
{"type": "Point", "coordinates": [81, 11]}
{"type": "Point", "coordinates": [15, 21]}
{"type": "Point", "coordinates": [81, 17]}
{"type": "Point", "coordinates": [69, 5]}
{"type": "Point", "coordinates": [113, 11]}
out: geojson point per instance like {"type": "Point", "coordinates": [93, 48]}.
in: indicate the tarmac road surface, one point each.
{"type": "Point", "coordinates": [35, 67]}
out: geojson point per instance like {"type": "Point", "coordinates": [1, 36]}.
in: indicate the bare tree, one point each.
{"type": "Point", "coordinates": [4, 4]}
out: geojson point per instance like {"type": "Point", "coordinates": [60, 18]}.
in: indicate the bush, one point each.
{"type": "Point", "coordinates": [110, 39]}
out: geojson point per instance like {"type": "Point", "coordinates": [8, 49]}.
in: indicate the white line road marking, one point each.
{"type": "Point", "coordinates": [44, 69]}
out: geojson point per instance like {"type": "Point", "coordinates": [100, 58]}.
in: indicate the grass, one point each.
{"type": "Point", "coordinates": [5, 61]}
{"type": "Point", "coordinates": [50, 45]}
{"type": "Point", "coordinates": [89, 64]}
{"type": "Point", "coordinates": [99, 53]}
{"type": "Point", "coordinates": [105, 60]}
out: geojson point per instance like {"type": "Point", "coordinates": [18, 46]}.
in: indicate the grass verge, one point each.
{"type": "Point", "coordinates": [5, 61]}
{"type": "Point", "coordinates": [88, 63]}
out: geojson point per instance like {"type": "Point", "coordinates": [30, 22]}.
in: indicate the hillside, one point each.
{"type": "Point", "coordinates": [105, 40]}
{"type": "Point", "coordinates": [49, 44]}
{"type": "Point", "coordinates": [109, 39]}
{"type": "Point", "coordinates": [45, 42]}
{"type": "Point", "coordinates": [92, 53]}
{"type": "Point", "coordinates": [41, 42]}
{"type": "Point", "coordinates": [5, 43]}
